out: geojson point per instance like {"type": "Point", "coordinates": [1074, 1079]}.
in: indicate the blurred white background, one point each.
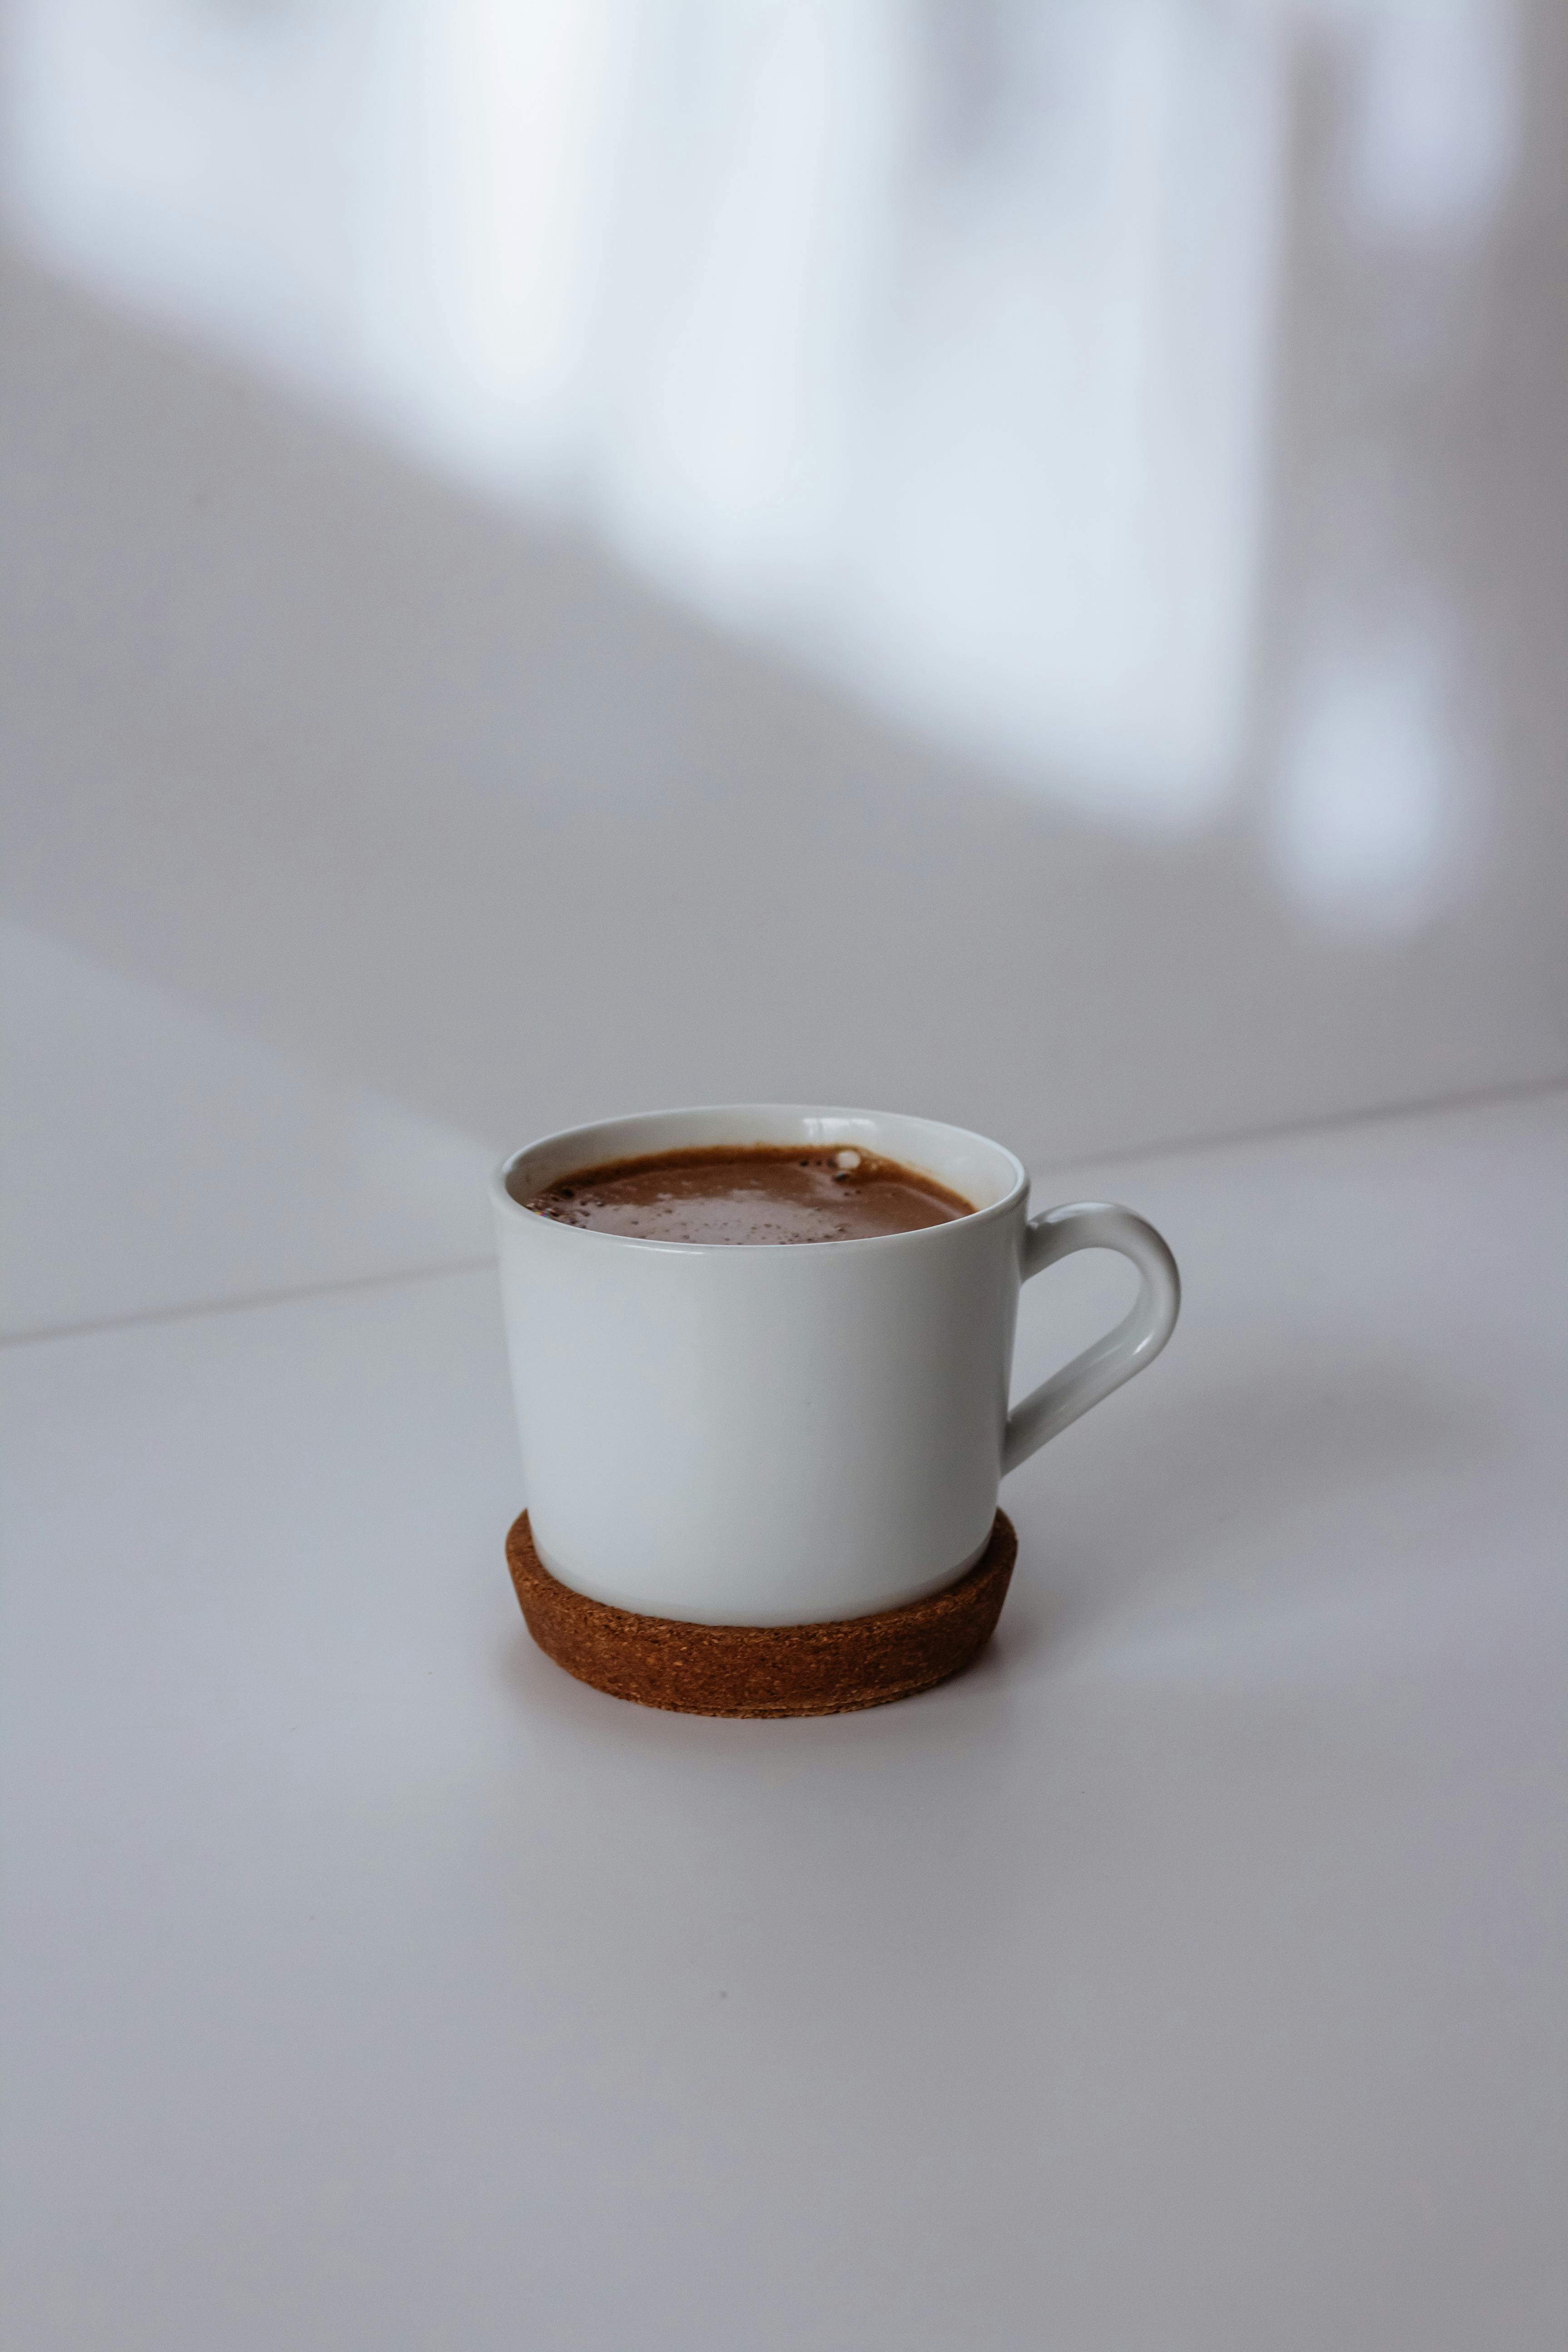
{"type": "Point", "coordinates": [1007, 556]}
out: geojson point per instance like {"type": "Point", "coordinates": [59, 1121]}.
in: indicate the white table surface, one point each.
{"type": "Point", "coordinates": [1188, 1974]}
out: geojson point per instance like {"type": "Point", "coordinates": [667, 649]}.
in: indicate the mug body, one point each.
{"type": "Point", "coordinates": [763, 1435]}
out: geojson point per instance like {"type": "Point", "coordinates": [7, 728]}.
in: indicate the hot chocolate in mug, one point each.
{"type": "Point", "coordinates": [782, 1433]}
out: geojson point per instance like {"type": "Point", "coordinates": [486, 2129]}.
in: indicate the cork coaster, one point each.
{"type": "Point", "coordinates": [763, 1670]}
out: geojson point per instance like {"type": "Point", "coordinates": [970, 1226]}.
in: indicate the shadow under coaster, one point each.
{"type": "Point", "coordinates": [765, 1670]}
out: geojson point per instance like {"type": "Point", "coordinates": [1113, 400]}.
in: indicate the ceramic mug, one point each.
{"type": "Point", "coordinates": [777, 1435]}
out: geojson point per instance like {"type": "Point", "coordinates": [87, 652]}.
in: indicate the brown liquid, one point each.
{"type": "Point", "coordinates": [752, 1192]}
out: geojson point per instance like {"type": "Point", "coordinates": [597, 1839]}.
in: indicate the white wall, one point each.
{"type": "Point", "coordinates": [423, 794]}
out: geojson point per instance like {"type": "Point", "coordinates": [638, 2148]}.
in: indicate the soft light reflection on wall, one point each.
{"type": "Point", "coordinates": [1432, 128]}
{"type": "Point", "coordinates": [1378, 798]}
{"type": "Point", "coordinates": [1373, 818]}
{"type": "Point", "coordinates": [930, 341]}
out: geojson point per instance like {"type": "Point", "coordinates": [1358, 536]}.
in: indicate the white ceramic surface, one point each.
{"type": "Point", "coordinates": [775, 1434]}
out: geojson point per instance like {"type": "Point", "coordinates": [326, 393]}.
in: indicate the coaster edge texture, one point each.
{"type": "Point", "coordinates": [836, 1666]}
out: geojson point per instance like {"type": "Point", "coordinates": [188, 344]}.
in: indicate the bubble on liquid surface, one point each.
{"type": "Point", "coordinates": [848, 1159]}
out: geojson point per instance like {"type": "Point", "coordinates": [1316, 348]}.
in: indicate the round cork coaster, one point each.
{"type": "Point", "coordinates": [763, 1670]}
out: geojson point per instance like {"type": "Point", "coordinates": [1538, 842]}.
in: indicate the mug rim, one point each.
{"type": "Point", "coordinates": [504, 1199]}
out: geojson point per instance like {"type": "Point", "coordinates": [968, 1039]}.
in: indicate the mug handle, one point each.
{"type": "Point", "coordinates": [1136, 1340]}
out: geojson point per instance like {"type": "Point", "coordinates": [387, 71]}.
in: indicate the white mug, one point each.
{"type": "Point", "coordinates": [781, 1433]}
